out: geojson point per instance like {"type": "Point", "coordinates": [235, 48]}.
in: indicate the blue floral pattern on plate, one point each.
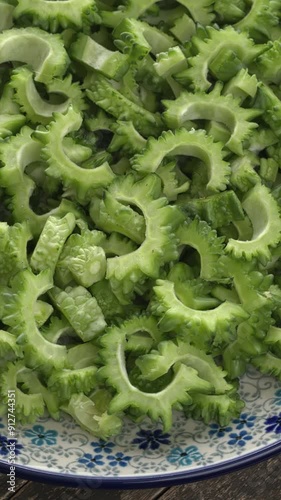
{"type": "Point", "coordinates": [184, 456]}
{"type": "Point", "coordinates": [5, 443]}
{"type": "Point", "coordinates": [151, 439]}
{"type": "Point", "coordinates": [145, 449]}
{"type": "Point", "coordinates": [274, 424]}
{"type": "Point", "coordinates": [39, 436]}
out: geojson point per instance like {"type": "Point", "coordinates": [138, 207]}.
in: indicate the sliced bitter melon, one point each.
{"type": "Point", "coordinates": [194, 143]}
{"type": "Point", "coordinates": [37, 109]}
{"type": "Point", "coordinates": [15, 155]}
{"type": "Point", "coordinates": [212, 54]}
{"type": "Point", "coordinates": [157, 405]}
{"type": "Point", "coordinates": [51, 15]}
{"type": "Point", "coordinates": [20, 303]}
{"type": "Point", "coordinates": [160, 244]}
{"type": "Point", "coordinates": [43, 52]}
{"type": "Point", "coordinates": [199, 235]}
{"type": "Point", "coordinates": [213, 106]}
{"type": "Point", "coordinates": [261, 20]}
{"type": "Point", "coordinates": [198, 327]}
{"type": "Point", "coordinates": [102, 93]}
{"type": "Point", "coordinates": [264, 214]}
{"type": "Point", "coordinates": [81, 181]}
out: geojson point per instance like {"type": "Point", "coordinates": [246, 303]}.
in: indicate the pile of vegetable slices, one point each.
{"type": "Point", "coordinates": [140, 202]}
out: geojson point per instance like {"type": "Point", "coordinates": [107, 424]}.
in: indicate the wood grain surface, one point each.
{"type": "Point", "coordinates": [259, 482]}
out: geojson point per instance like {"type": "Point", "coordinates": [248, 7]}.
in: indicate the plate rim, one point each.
{"type": "Point", "coordinates": [148, 481]}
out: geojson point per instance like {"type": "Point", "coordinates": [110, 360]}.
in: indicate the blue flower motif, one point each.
{"type": "Point", "coordinates": [219, 431]}
{"type": "Point", "coordinates": [184, 456]}
{"type": "Point", "coordinates": [239, 439]}
{"type": "Point", "coordinates": [41, 436]}
{"type": "Point", "coordinates": [274, 424]}
{"type": "Point", "coordinates": [244, 420]}
{"type": "Point", "coordinates": [151, 439]}
{"type": "Point", "coordinates": [118, 459]}
{"type": "Point", "coordinates": [100, 446]}
{"type": "Point", "coordinates": [278, 397]}
{"type": "Point", "coordinates": [91, 460]}
{"type": "Point", "coordinates": [5, 446]}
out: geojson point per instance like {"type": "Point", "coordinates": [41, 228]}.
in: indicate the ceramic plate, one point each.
{"type": "Point", "coordinates": [144, 455]}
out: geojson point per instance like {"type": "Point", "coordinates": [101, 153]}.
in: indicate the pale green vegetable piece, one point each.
{"type": "Point", "coordinates": [51, 242]}
{"type": "Point", "coordinates": [45, 53]}
{"type": "Point", "coordinates": [81, 310]}
{"type": "Point", "coordinates": [51, 15]}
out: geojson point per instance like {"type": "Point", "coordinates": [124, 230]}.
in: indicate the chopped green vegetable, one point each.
{"type": "Point", "coordinates": [53, 15]}
{"type": "Point", "coordinates": [45, 53]}
{"type": "Point", "coordinates": [140, 199]}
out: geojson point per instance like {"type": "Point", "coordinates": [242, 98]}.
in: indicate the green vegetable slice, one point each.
{"type": "Point", "coordinates": [219, 408]}
{"type": "Point", "coordinates": [37, 109]}
{"type": "Point", "coordinates": [174, 181]}
{"type": "Point", "coordinates": [243, 173]}
{"type": "Point", "coordinates": [198, 327]}
{"type": "Point", "coordinates": [263, 212]}
{"type": "Point", "coordinates": [9, 124]}
{"type": "Point", "coordinates": [92, 54]}
{"type": "Point", "coordinates": [254, 288]}
{"type": "Point", "coordinates": [45, 53]}
{"type": "Point", "coordinates": [184, 28]}
{"type": "Point", "coordinates": [268, 101]}
{"type": "Point", "coordinates": [13, 252]}
{"type": "Point", "coordinates": [269, 364]}
{"type": "Point", "coordinates": [218, 210]}
{"type": "Point", "coordinates": [20, 303]}
{"type": "Point", "coordinates": [229, 12]}
{"type": "Point", "coordinates": [126, 138]}
{"type": "Point", "coordinates": [6, 16]}
{"type": "Point", "coordinates": [189, 143]}
{"type": "Point", "coordinates": [242, 85]}
{"type": "Point", "coordinates": [201, 10]}
{"type": "Point", "coordinates": [51, 15]}
{"type": "Point", "coordinates": [199, 235]}
{"type": "Point", "coordinates": [213, 48]}
{"type": "Point", "coordinates": [15, 155]}
{"type": "Point", "coordinates": [67, 382]}
{"type": "Point", "coordinates": [138, 39]}
{"type": "Point", "coordinates": [267, 65]}
{"type": "Point", "coordinates": [158, 362]}
{"type": "Point", "coordinates": [7, 104]}
{"type": "Point", "coordinates": [170, 62]}
{"type": "Point", "coordinates": [116, 244]}
{"type": "Point", "coordinates": [157, 405]}
{"type": "Point", "coordinates": [213, 106]}
{"type": "Point", "coordinates": [30, 382]}
{"type": "Point", "coordinates": [90, 417]}
{"type": "Point", "coordinates": [110, 215]}
{"type": "Point", "coordinates": [51, 242]}
{"type": "Point", "coordinates": [81, 181]}
{"type": "Point", "coordinates": [9, 349]}
{"type": "Point", "coordinates": [28, 407]}
{"type": "Point", "coordinates": [81, 310]}
{"type": "Point", "coordinates": [42, 312]}
{"type": "Point", "coordinates": [108, 302]}
{"type": "Point", "coordinates": [261, 19]}
{"type": "Point", "coordinates": [160, 244]}
{"type": "Point", "coordinates": [101, 92]}
{"type": "Point", "coordinates": [132, 9]}
{"type": "Point", "coordinates": [83, 259]}
{"type": "Point", "coordinates": [57, 328]}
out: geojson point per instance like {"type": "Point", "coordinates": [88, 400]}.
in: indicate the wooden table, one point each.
{"type": "Point", "coordinates": [259, 482]}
